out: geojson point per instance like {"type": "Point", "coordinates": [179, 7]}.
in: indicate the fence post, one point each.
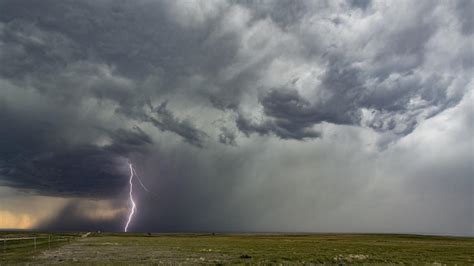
{"type": "Point", "coordinates": [49, 241]}
{"type": "Point", "coordinates": [34, 239]}
{"type": "Point", "coordinates": [4, 247]}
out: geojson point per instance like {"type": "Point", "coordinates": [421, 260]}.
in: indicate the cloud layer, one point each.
{"type": "Point", "coordinates": [241, 115]}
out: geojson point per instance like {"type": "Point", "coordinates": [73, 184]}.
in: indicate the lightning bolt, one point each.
{"type": "Point", "coordinates": [133, 208]}
{"type": "Point", "coordinates": [132, 202]}
{"type": "Point", "coordinates": [140, 180]}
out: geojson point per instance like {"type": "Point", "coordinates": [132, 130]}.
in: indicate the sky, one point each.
{"type": "Point", "coordinates": [238, 116]}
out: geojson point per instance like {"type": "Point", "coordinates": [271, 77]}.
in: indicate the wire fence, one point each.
{"type": "Point", "coordinates": [14, 247]}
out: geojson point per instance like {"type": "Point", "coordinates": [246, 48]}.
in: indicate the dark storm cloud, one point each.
{"type": "Point", "coordinates": [124, 142]}
{"type": "Point", "coordinates": [47, 45]}
{"type": "Point", "coordinates": [86, 84]}
{"type": "Point", "coordinates": [36, 160]}
{"type": "Point", "coordinates": [166, 121]}
{"type": "Point", "coordinates": [76, 217]}
{"type": "Point", "coordinates": [293, 116]}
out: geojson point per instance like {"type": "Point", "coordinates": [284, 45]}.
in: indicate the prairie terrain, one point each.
{"type": "Point", "coordinates": [115, 248]}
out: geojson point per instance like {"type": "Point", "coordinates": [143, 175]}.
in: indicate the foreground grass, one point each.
{"type": "Point", "coordinates": [22, 250]}
{"type": "Point", "coordinates": [216, 249]}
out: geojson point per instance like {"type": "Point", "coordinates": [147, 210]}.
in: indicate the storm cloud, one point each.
{"type": "Point", "coordinates": [242, 115]}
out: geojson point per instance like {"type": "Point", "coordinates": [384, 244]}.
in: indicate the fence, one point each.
{"type": "Point", "coordinates": [22, 246]}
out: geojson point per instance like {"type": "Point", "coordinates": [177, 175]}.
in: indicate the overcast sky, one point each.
{"type": "Point", "coordinates": [318, 116]}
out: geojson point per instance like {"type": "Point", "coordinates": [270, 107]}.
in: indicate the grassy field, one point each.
{"type": "Point", "coordinates": [223, 249]}
{"type": "Point", "coordinates": [22, 246]}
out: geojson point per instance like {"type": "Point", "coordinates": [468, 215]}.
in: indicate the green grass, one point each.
{"type": "Point", "coordinates": [255, 249]}
{"type": "Point", "coordinates": [19, 251]}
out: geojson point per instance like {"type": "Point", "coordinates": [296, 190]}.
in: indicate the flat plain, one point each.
{"type": "Point", "coordinates": [120, 248]}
